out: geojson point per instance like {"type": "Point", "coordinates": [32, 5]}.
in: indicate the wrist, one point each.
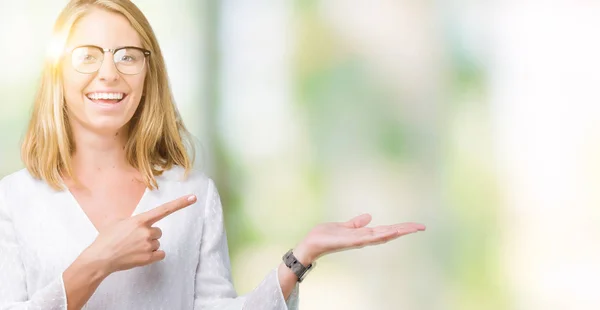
{"type": "Point", "coordinates": [94, 266]}
{"type": "Point", "coordinates": [304, 253]}
{"type": "Point", "coordinates": [82, 278]}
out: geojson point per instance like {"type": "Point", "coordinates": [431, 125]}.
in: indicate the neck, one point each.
{"type": "Point", "coordinates": [99, 153]}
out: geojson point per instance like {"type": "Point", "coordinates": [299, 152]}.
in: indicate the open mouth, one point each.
{"type": "Point", "coordinates": [106, 98]}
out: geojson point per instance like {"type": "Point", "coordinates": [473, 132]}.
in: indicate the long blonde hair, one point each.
{"type": "Point", "coordinates": [158, 140]}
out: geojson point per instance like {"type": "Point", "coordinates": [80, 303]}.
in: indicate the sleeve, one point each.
{"type": "Point", "coordinates": [13, 288]}
{"type": "Point", "coordinates": [214, 287]}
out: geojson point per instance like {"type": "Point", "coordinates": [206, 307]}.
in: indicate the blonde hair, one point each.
{"type": "Point", "coordinates": [158, 140]}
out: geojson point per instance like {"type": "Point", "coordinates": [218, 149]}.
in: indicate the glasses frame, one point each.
{"type": "Point", "coordinates": [113, 51]}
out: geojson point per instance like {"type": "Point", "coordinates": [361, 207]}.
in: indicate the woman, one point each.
{"type": "Point", "coordinates": [108, 175]}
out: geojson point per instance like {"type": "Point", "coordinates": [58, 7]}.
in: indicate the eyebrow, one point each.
{"type": "Point", "coordinates": [117, 47]}
{"type": "Point", "coordinates": [146, 51]}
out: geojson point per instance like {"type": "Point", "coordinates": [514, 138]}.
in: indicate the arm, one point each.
{"type": "Point", "coordinates": [81, 280]}
{"type": "Point", "coordinates": [13, 288]}
{"type": "Point", "coordinates": [126, 244]}
{"type": "Point", "coordinates": [279, 290]}
{"type": "Point", "coordinates": [76, 284]}
{"type": "Point", "coordinates": [214, 288]}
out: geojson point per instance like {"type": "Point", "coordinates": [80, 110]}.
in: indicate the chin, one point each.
{"type": "Point", "coordinates": [107, 126]}
{"type": "Point", "coordinates": [101, 121]}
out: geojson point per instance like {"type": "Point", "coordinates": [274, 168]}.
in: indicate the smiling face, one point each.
{"type": "Point", "coordinates": [103, 101]}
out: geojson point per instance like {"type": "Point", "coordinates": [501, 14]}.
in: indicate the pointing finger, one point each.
{"type": "Point", "coordinates": [152, 216]}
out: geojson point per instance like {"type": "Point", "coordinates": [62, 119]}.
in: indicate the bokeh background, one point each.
{"type": "Point", "coordinates": [478, 118]}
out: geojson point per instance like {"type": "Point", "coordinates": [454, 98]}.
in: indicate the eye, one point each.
{"type": "Point", "coordinates": [88, 58]}
{"type": "Point", "coordinates": [86, 55]}
{"type": "Point", "coordinates": [128, 58]}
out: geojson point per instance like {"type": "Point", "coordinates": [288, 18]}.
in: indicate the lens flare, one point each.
{"type": "Point", "coordinates": [56, 48]}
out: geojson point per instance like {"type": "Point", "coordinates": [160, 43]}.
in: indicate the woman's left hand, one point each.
{"type": "Point", "coordinates": [328, 238]}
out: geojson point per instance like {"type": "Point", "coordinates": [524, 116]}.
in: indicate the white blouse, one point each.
{"type": "Point", "coordinates": [42, 231]}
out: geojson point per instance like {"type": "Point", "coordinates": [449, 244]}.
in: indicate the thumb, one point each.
{"type": "Point", "coordinates": [359, 221]}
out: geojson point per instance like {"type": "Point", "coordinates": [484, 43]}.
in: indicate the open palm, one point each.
{"type": "Point", "coordinates": [339, 236]}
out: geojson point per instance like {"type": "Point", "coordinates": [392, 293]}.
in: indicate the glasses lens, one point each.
{"type": "Point", "coordinates": [86, 59]}
{"type": "Point", "coordinates": [130, 60]}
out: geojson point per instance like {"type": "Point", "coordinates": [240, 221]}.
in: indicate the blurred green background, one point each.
{"type": "Point", "coordinates": [476, 118]}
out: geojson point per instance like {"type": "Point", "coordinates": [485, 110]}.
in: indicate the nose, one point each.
{"type": "Point", "coordinates": [108, 71]}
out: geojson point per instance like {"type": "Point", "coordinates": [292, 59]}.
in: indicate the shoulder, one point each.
{"type": "Point", "coordinates": [178, 175]}
{"type": "Point", "coordinates": [19, 181]}
{"type": "Point", "coordinates": [19, 185]}
{"type": "Point", "coordinates": [176, 179]}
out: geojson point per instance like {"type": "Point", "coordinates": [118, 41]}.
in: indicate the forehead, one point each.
{"type": "Point", "coordinates": [105, 29]}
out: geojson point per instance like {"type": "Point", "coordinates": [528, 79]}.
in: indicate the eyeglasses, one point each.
{"type": "Point", "coordinates": [128, 60]}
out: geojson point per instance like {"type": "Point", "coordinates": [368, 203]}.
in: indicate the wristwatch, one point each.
{"type": "Point", "coordinates": [300, 270]}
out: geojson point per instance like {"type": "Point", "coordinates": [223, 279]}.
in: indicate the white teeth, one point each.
{"type": "Point", "coordinates": [105, 96]}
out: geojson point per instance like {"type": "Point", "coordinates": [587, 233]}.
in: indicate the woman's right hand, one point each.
{"type": "Point", "coordinates": [126, 244]}
{"type": "Point", "coordinates": [133, 242]}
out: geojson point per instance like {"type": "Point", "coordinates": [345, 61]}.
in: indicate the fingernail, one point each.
{"type": "Point", "coordinates": [192, 198]}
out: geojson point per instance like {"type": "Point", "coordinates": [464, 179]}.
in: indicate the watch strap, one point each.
{"type": "Point", "coordinates": [296, 266]}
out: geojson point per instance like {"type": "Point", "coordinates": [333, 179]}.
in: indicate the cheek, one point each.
{"type": "Point", "coordinates": [73, 86]}
{"type": "Point", "coordinates": [136, 85]}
